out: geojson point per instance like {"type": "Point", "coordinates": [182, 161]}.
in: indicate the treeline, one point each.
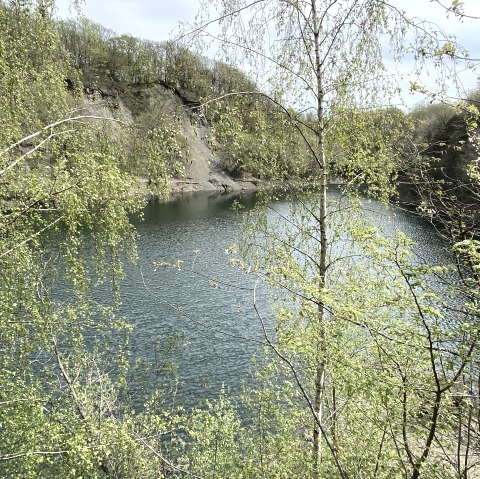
{"type": "Point", "coordinates": [432, 148]}
{"type": "Point", "coordinates": [249, 132]}
{"type": "Point", "coordinates": [438, 172]}
{"type": "Point", "coordinates": [105, 59]}
{"type": "Point", "coordinates": [443, 132]}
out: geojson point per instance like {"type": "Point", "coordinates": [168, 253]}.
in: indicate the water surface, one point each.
{"type": "Point", "coordinates": [183, 317]}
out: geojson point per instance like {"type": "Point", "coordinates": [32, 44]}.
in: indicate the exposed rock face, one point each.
{"type": "Point", "coordinates": [203, 165]}
{"type": "Point", "coordinates": [204, 171]}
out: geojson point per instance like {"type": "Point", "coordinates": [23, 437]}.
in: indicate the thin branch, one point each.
{"type": "Point", "coordinates": [202, 27]}
{"type": "Point", "coordinates": [53, 125]}
{"type": "Point", "coordinates": [298, 381]}
{"type": "Point", "coordinates": [192, 320]}
{"type": "Point", "coordinates": [166, 462]}
{"type": "Point", "coordinates": [9, 457]}
{"type": "Point", "coordinates": [38, 233]}
{"type": "Point", "coordinates": [265, 57]}
{"type": "Point", "coordinates": [35, 148]}
{"type": "Point", "coordinates": [455, 10]}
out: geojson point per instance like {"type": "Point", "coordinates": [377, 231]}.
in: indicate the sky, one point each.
{"type": "Point", "coordinates": [149, 19]}
{"type": "Point", "coordinates": [158, 19]}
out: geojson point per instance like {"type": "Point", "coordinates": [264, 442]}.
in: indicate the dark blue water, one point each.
{"type": "Point", "coordinates": [193, 312]}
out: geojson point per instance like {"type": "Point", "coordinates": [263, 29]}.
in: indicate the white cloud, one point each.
{"type": "Point", "coordinates": [156, 20]}
{"type": "Point", "coordinates": [150, 19]}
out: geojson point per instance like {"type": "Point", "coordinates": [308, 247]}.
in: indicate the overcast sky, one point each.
{"type": "Point", "coordinates": [156, 19]}
{"type": "Point", "coordinates": [150, 19]}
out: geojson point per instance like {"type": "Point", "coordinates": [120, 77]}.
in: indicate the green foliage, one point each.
{"type": "Point", "coordinates": [67, 190]}
{"type": "Point", "coordinates": [364, 330]}
{"type": "Point", "coordinates": [440, 167]}
{"type": "Point", "coordinates": [29, 77]}
{"type": "Point", "coordinates": [214, 441]}
{"type": "Point", "coordinates": [387, 341]}
{"type": "Point", "coordinates": [159, 151]}
{"type": "Point", "coordinates": [254, 136]}
{"type": "Point", "coordinates": [366, 149]}
{"type": "Point", "coordinates": [370, 360]}
{"type": "Point", "coordinates": [444, 136]}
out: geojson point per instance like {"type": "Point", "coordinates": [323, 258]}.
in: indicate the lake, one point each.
{"type": "Point", "coordinates": [201, 335]}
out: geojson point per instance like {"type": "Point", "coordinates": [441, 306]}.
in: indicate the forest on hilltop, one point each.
{"type": "Point", "coordinates": [249, 131]}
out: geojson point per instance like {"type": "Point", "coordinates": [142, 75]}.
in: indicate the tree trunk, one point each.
{"type": "Point", "coordinates": [321, 365]}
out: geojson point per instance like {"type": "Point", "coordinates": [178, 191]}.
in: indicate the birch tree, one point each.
{"type": "Point", "coordinates": [327, 56]}
{"type": "Point", "coordinates": [67, 187]}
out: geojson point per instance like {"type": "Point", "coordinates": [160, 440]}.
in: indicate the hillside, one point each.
{"type": "Point", "coordinates": [161, 86]}
{"type": "Point", "coordinates": [199, 167]}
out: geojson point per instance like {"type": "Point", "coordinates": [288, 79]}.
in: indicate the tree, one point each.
{"type": "Point", "coordinates": [370, 345]}
{"type": "Point", "coordinates": [67, 183]}
{"type": "Point", "coordinates": [327, 55]}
